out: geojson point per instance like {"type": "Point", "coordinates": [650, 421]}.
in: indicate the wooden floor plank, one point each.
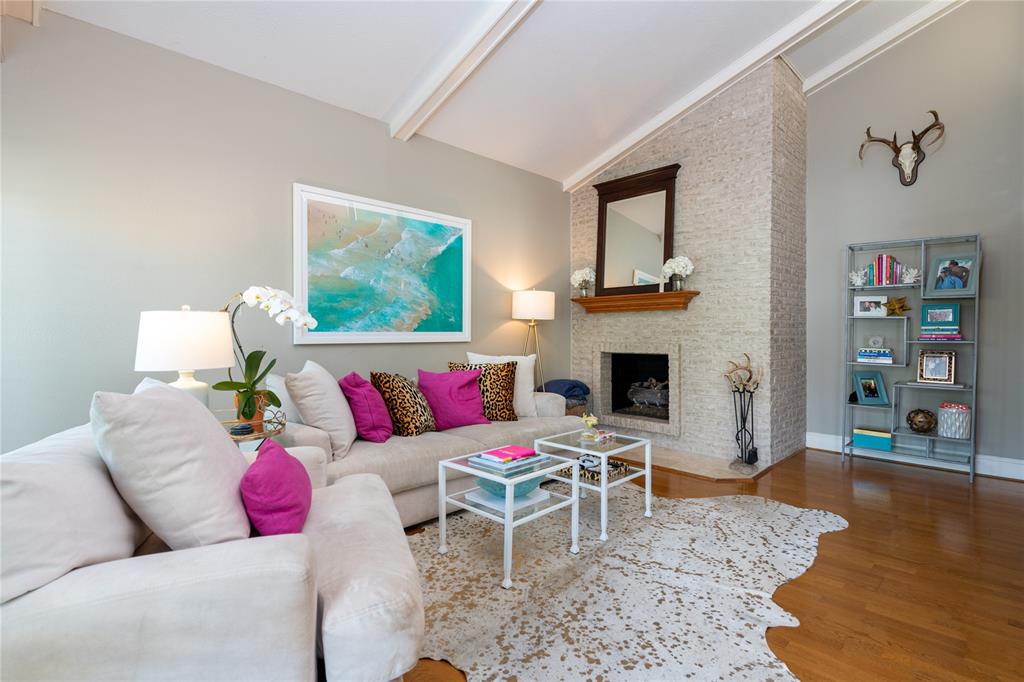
{"type": "Point", "coordinates": [927, 583]}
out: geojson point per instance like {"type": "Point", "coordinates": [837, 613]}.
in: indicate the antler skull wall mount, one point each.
{"type": "Point", "coordinates": [908, 156]}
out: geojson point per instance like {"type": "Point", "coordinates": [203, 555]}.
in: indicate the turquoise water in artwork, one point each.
{"type": "Point", "coordinates": [377, 272]}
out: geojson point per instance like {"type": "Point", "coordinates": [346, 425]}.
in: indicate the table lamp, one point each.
{"type": "Point", "coordinates": [184, 341]}
{"type": "Point", "coordinates": [533, 305]}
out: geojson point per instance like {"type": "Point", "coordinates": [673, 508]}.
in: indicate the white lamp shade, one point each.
{"type": "Point", "coordinates": [533, 305]}
{"type": "Point", "coordinates": [173, 340]}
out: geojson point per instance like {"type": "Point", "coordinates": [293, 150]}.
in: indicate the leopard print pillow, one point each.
{"type": "Point", "coordinates": [497, 388]}
{"type": "Point", "coordinates": [409, 410]}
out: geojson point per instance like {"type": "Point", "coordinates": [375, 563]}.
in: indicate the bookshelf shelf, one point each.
{"type": "Point", "coordinates": [956, 454]}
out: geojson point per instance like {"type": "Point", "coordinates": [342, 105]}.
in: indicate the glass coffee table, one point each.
{"type": "Point", "coordinates": [594, 456]}
{"type": "Point", "coordinates": [511, 512]}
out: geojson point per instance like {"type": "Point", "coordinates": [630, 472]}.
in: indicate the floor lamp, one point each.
{"type": "Point", "coordinates": [533, 305]}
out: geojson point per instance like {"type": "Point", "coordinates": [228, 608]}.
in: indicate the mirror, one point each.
{"type": "Point", "coordinates": [634, 231]}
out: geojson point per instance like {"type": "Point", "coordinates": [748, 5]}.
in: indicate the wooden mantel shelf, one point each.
{"type": "Point", "coordinates": [658, 300]}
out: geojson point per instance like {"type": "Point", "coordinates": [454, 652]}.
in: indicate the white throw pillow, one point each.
{"type": "Point", "coordinates": [524, 402]}
{"type": "Point", "coordinates": [275, 382]}
{"type": "Point", "coordinates": [60, 512]}
{"type": "Point", "coordinates": [322, 405]}
{"type": "Point", "coordinates": [173, 463]}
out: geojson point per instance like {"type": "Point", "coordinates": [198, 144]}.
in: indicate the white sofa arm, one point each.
{"type": "Point", "coordinates": [549, 404]}
{"type": "Point", "coordinates": [303, 434]}
{"type": "Point", "coordinates": [242, 610]}
{"type": "Point", "coordinates": [313, 458]}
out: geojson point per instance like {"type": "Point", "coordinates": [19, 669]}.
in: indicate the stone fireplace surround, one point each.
{"type": "Point", "coordinates": [602, 379]}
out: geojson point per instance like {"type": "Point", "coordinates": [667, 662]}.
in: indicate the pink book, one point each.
{"type": "Point", "coordinates": [508, 453]}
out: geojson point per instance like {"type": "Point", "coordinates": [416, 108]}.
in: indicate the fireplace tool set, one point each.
{"type": "Point", "coordinates": [743, 381]}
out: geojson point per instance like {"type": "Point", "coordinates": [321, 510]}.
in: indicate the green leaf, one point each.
{"type": "Point", "coordinates": [252, 365]}
{"type": "Point", "coordinates": [264, 373]}
{"type": "Point", "coordinates": [272, 398]}
{"type": "Point", "coordinates": [247, 406]}
{"type": "Point", "coordinates": [230, 386]}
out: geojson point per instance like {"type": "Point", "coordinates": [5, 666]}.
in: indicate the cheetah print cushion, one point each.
{"type": "Point", "coordinates": [497, 388]}
{"type": "Point", "coordinates": [409, 410]}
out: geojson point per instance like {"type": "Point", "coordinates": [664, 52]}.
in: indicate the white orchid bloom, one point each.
{"type": "Point", "coordinates": [309, 322]}
{"type": "Point", "coordinates": [254, 295]}
{"type": "Point", "coordinates": [290, 315]}
{"type": "Point", "coordinates": [274, 306]}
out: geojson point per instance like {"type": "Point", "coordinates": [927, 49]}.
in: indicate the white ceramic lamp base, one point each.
{"type": "Point", "coordinates": [198, 389]}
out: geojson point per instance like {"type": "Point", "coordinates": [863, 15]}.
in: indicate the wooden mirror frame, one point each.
{"type": "Point", "coordinates": [658, 180]}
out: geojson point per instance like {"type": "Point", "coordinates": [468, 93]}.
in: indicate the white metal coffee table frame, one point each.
{"type": "Point", "coordinates": [604, 486]}
{"type": "Point", "coordinates": [554, 502]}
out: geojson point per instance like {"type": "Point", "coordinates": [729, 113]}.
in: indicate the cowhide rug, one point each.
{"type": "Point", "coordinates": [685, 595]}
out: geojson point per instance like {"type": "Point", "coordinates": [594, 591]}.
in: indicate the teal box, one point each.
{"type": "Point", "coordinates": [864, 440]}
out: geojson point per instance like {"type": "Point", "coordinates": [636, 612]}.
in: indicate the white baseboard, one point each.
{"type": "Point", "coordinates": [988, 465]}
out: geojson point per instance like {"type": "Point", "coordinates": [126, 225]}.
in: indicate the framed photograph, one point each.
{"type": "Point", "coordinates": [870, 387]}
{"type": "Point", "coordinates": [640, 278]}
{"type": "Point", "coordinates": [952, 275]}
{"type": "Point", "coordinates": [374, 272]}
{"type": "Point", "coordinates": [936, 366]}
{"type": "Point", "coordinates": [940, 315]}
{"type": "Point", "coordinates": [870, 306]}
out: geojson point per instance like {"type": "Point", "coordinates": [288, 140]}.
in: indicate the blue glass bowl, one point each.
{"type": "Point", "coordinates": [498, 489]}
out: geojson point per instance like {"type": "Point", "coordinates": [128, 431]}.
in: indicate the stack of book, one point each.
{"type": "Point", "coordinates": [507, 459]}
{"type": "Point", "coordinates": [940, 332]}
{"type": "Point", "coordinates": [884, 270]}
{"type": "Point", "coordinates": [877, 356]}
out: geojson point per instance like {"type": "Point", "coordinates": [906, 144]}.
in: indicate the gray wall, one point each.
{"type": "Point", "coordinates": [968, 66]}
{"type": "Point", "coordinates": [135, 178]}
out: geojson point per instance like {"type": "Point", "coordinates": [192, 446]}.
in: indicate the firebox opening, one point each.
{"type": "Point", "coordinates": [640, 385]}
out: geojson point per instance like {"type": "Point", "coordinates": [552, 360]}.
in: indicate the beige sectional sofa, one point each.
{"type": "Point", "coordinates": [408, 466]}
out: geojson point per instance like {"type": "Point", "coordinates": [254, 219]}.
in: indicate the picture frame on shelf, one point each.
{"type": "Point", "coordinates": [870, 388]}
{"type": "Point", "coordinates": [936, 366]}
{"type": "Point", "coordinates": [870, 306]}
{"type": "Point", "coordinates": [954, 276]}
{"type": "Point", "coordinates": [940, 315]}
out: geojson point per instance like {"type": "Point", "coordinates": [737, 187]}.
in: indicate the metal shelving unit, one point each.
{"type": "Point", "coordinates": [957, 454]}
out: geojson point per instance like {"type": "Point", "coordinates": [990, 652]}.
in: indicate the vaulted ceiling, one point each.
{"type": "Point", "coordinates": [558, 88]}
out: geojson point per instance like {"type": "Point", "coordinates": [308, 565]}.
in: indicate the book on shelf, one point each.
{"type": "Point", "coordinates": [508, 453]}
{"type": "Point", "coordinates": [940, 337]}
{"type": "Point", "coordinates": [486, 499]}
{"type": "Point", "coordinates": [933, 384]}
{"type": "Point", "coordinates": [875, 361]}
{"type": "Point", "coordinates": [877, 356]}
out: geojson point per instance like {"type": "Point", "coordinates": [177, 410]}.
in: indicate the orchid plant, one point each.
{"type": "Point", "coordinates": [280, 306]}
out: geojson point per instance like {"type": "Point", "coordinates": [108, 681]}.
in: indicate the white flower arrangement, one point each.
{"type": "Point", "coordinates": [279, 305]}
{"type": "Point", "coordinates": [859, 278]}
{"type": "Point", "coordinates": [583, 278]}
{"type": "Point", "coordinates": [680, 265]}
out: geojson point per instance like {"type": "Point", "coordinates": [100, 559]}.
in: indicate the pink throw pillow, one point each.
{"type": "Point", "coordinates": [454, 398]}
{"type": "Point", "coordinates": [276, 491]}
{"type": "Point", "coordinates": [373, 422]}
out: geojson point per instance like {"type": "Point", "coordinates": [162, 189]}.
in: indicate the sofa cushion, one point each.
{"type": "Point", "coordinates": [321, 403]}
{"type": "Point", "coordinates": [523, 400]}
{"type": "Point", "coordinates": [409, 409]}
{"type": "Point", "coordinates": [61, 511]}
{"type": "Point", "coordinates": [497, 388]}
{"type": "Point", "coordinates": [367, 582]}
{"type": "Point", "coordinates": [404, 463]}
{"type": "Point", "coordinates": [454, 398]}
{"type": "Point", "coordinates": [522, 432]}
{"type": "Point", "coordinates": [373, 421]}
{"type": "Point", "coordinates": [275, 382]}
{"type": "Point", "coordinates": [277, 491]}
{"type": "Point", "coordinates": [173, 463]}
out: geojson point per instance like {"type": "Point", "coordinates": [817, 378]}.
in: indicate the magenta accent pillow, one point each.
{"type": "Point", "coordinates": [454, 397]}
{"type": "Point", "coordinates": [276, 491]}
{"type": "Point", "coordinates": [373, 422]}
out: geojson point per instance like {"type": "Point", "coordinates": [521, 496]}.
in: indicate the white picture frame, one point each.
{"type": "Point", "coordinates": [870, 306]}
{"type": "Point", "coordinates": [302, 195]}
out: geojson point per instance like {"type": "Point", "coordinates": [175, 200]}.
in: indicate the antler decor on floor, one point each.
{"type": "Point", "coordinates": [743, 381]}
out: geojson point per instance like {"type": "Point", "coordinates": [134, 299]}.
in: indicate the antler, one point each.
{"type": "Point", "coordinates": [871, 138]}
{"type": "Point", "coordinates": [934, 125]}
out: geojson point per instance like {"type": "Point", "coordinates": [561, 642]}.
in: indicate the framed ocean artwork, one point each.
{"type": "Point", "coordinates": [374, 272]}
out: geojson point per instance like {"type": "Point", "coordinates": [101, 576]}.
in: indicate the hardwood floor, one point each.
{"type": "Point", "coordinates": [927, 583]}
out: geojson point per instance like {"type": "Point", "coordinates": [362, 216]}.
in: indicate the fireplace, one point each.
{"type": "Point", "coordinates": [640, 385]}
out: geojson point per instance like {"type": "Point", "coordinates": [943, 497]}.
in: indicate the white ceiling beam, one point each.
{"type": "Point", "coordinates": [460, 64]}
{"type": "Point", "coordinates": [819, 15]}
{"type": "Point", "coordinates": [868, 50]}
